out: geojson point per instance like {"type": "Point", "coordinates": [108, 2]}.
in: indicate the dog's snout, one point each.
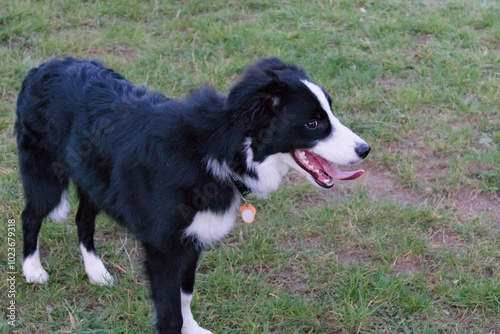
{"type": "Point", "coordinates": [362, 150]}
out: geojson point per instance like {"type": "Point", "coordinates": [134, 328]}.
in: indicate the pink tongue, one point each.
{"type": "Point", "coordinates": [338, 174]}
{"type": "Point", "coordinates": [333, 171]}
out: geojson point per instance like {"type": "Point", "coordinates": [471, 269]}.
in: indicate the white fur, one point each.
{"type": "Point", "coordinates": [249, 153]}
{"type": "Point", "coordinates": [33, 270]}
{"type": "Point", "coordinates": [189, 325]}
{"type": "Point", "coordinates": [218, 169]}
{"type": "Point", "coordinates": [320, 95]}
{"type": "Point", "coordinates": [95, 268]}
{"type": "Point", "coordinates": [340, 146]}
{"type": "Point", "coordinates": [269, 172]}
{"type": "Point", "coordinates": [208, 226]}
{"type": "Point", "coordinates": [61, 211]}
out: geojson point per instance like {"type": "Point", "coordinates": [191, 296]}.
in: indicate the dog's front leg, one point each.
{"type": "Point", "coordinates": [163, 270]}
{"type": "Point", "coordinates": [189, 326]}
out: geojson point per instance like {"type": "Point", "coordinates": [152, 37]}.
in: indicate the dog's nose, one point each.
{"type": "Point", "coordinates": [362, 150]}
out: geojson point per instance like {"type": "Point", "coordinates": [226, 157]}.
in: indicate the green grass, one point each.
{"type": "Point", "coordinates": [411, 247]}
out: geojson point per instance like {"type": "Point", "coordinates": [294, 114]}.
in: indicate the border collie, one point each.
{"type": "Point", "coordinates": [172, 171]}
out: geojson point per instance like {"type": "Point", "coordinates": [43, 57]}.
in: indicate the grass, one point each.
{"type": "Point", "coordinates": [411, 247]}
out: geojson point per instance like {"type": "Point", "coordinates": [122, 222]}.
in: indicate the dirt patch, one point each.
{"type": "Point", "coordinates": [421, 43]}
{"type": "Point", "coordinates": [382, 185]}
{"type": "Point", "coordinates": [432, 174]}
{"type": "Point", "coordinates": [379, 184]}
{"type": "Point", "coordinates": [391, 82]}
{"type": "Point", "coordinates": [470, 205]}
{"type": "Point", "coordinates": [355, 255]}
{"type": "Point", "coordinates": [444, 236]}
{"type": "Point", "coordinates": [411, 264]}
{"type": "Point", "coordinates": [469, 202]}
{"type": "Point", "coordinates": [290, 278]}
{"type": "Point", "coordinates": [408, 265]}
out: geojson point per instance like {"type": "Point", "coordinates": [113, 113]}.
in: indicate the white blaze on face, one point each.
{"type": "Point", "coordinates": [339, 147]}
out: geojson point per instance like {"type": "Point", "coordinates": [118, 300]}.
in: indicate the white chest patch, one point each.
{"type": "Point", "coordinates": [208, 226]}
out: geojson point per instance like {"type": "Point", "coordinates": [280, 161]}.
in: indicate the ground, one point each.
{"type": "Point", "coordinates": [410, 247]}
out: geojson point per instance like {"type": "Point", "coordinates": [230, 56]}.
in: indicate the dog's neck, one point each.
{"type": "Point", "coordinates": [261, 178]}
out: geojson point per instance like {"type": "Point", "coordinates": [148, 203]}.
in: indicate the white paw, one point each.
{"type": "Point", "coordinates": [95, 268]}
{"type": "Point", "coordinates": [195, 330]}
{"type": "Point", "coordinates": [61, 211]}
{"type": "Point", "coordinates": [34, 273]}
{"type": "Point", "coordinates": [100, 277]}
{"type": "Point", "coordinates": [33, 270]}
{"type": "Point", "coordinates": [190, 326]}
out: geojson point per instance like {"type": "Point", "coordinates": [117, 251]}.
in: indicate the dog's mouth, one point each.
{"type": "Point", "coordinates": [323, 171]}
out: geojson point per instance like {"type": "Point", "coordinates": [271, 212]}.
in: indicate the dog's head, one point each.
{"type": "Point", "coordinates": [289, 118]}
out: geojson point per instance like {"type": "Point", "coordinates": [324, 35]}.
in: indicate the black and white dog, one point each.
{"type": "Point", "coordinates": [172, 171]}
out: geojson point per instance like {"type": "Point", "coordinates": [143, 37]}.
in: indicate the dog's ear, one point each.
{"type": "Point", "coordinates": [257, 97]}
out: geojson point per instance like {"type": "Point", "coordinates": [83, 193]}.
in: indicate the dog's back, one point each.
{"type": "Point", "coordinates": [52, 97]}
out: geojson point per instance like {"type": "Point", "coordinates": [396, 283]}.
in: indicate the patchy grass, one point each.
{"type": "Point", "coordinates": [412, 246]}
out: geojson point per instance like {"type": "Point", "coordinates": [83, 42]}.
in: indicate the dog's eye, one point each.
{"type": "Point", "coordinates": [312, 124]}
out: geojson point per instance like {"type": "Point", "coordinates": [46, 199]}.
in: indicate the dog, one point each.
{"type": "Point", "coordinates": [173, 171]}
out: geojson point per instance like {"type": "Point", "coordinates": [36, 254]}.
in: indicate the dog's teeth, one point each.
{"type": "Point", "coordinates": [316, 170]}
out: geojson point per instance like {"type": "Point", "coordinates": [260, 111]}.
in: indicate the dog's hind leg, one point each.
{"type": "Point", "coordinates": [32, 268]}
{"type": "Point", "coordinates": [85, 222]}
{"type": "Point", "coordinates": [43, 190]}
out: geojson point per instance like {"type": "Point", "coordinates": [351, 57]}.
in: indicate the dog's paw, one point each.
{"type": "Point", "coordinates": [100, 277]}
{"type": "Point", "coordinates": [195, 330]}
{"type": "Point", "coordinates": [95, 268]}
{"type": "Point", "coordinates": [35, 274]}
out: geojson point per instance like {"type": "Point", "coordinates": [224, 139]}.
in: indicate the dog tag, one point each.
{"type": "Point", "coordinates": [247, 213]}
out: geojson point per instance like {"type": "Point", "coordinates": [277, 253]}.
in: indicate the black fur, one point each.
{"type": "Point", "coordinates": [141, 157]}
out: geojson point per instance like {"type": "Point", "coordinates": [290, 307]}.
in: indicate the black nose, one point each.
{"type": "Point", "coordinates": [362, 150]}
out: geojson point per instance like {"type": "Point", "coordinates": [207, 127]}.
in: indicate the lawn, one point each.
{"type": "Point", "coordinates": [413, 246]}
